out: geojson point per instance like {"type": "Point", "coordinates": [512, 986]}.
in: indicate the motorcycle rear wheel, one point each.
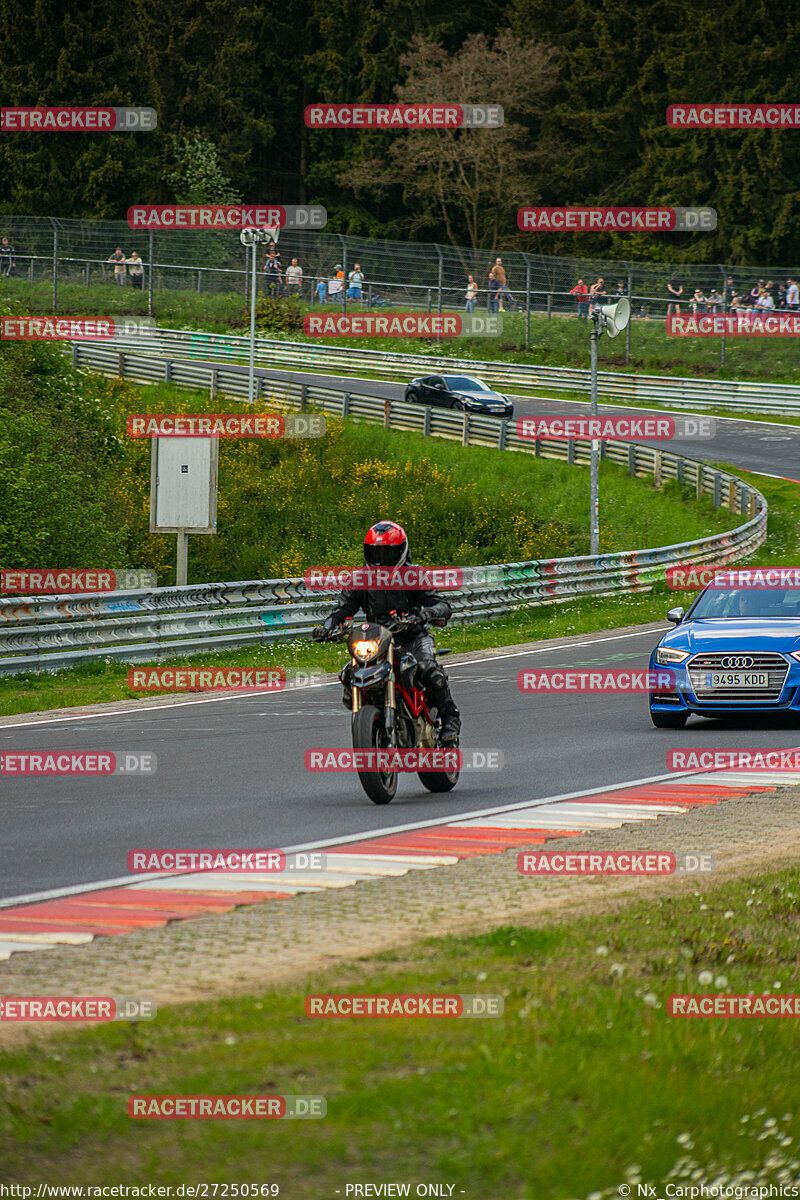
{"type": "Point", "coordinates": [368, 734]}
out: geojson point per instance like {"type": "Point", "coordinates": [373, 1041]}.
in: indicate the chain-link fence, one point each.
{"type": "Point", "coordinates": [417, 275]}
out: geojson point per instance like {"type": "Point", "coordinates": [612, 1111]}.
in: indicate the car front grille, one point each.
{"type": "Point", "coordinates": [775, 665]}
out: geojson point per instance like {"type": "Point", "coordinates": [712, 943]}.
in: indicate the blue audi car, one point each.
{"type": "Point", "coordinates": [736, 650]}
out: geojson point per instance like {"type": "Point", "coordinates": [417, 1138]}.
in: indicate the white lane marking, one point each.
{"type": "Point", "coordinates": [470, 662]}
{"type": "Point", "coordinates": [9, 948]}
{"type": "Point", "coordinates": [368, 835]}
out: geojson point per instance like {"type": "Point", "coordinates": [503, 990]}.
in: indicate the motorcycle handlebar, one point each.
{"type": "Point", "coordinates": [396, 624]}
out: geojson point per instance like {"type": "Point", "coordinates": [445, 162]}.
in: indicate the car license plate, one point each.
{"type": "Point", "coordinates": [737, 679]}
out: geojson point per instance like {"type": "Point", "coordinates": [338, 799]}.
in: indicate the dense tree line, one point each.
{"type": "Point", "coordinates": [230, 82]}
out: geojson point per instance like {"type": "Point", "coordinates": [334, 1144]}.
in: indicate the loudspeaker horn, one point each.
{"type": "Point", "coordinates": [615, 317]}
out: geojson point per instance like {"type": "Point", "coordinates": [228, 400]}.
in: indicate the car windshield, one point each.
{"type": "Point", "coordinates": [747, 602]}
{"type": "Point", "coordinates": [463, 383]}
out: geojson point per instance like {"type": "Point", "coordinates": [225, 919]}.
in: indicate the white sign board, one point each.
{"type": "Point", "coordinates": [183, 485]}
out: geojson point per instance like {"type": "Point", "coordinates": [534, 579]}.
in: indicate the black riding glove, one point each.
{"type": "Point", "coordinates": [438, 614]}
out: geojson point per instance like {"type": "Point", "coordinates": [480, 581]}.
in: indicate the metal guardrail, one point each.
{"type": "Point", "coordinates": [50, 633]}
{"type": "Point", "coordinates": [616, 386]}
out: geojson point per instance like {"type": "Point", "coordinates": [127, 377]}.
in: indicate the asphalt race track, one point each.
{"type": "Point", "coordinates": [231, 772]}
{"type": "Point", "coordinates": [767, 447]}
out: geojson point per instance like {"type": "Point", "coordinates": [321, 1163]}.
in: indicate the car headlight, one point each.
{"type": "Point", "coordinates": [795, 654]}
{"type": "Point", "coordinates": [666, 656]}
{"type": "Point", "coordinates": [365, 649]}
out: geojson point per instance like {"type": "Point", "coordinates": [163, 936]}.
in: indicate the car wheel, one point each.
{"type": "Point", "coordinates": [458, 405]}
{"type": "Point", "coordinates": [675, 720]}
{"type": "Point", "coordinates": [412, 397]}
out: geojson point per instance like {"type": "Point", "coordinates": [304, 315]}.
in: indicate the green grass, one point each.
{"type": "Point", "coordinates": [559, 341]}
{"type": "Point", "coordinates": [583, 1082]}
{"type": "Point", "coordinates": [105, 681]}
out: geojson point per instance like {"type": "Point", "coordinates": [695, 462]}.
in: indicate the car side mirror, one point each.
{"type": "Point", "coordinates": [675, 615]}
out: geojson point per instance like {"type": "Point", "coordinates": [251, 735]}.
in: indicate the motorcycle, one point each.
{"type": "Point", "coordinates": [388, 705]}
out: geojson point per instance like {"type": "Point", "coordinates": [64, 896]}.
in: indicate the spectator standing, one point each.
{"type": "Point", "coordinates": [354, 281]}
{"type": "Point", "coordinates": [500, 276]}
{"type": "Point", "coordinates": [674, 291]}
{"type": "Point", "coordinates": [336, 283]}
{"type": "Point", "coordinates": [135, 269]}
{"type": "Point", "coordinates": [755, 292]}
{"type": "Point", "coordinates": [698, 302]}
{"type": "Point", "coordinates": [320, 289]}
{"type": "Point", "coordinates": [714, 300]}
{"type": "Point", "coordinates": [120, 270]}
{"type": "Point", "coordinates": [272, 267]}
{"type": "Point", "coordinates": [792, 295]}
{"type": "Point", "coordinates": [7, 263]}
{"type": "Point", "coordinates": [493, 287]}
{"type": "Point", "coordinates": [581, 294]}
{"type": "Point", "coordinates": [597, 293]}
{"type": "Point", "coordinates": [293, 277]}
{"type": "Point", "coordinates": [470, 295]}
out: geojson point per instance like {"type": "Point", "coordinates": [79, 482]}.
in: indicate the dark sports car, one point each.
{"type": "Point", "coordinates": [461, 392]}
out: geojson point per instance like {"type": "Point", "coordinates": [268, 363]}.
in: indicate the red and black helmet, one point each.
{"type": "Point", "coordinates": [386, 545]}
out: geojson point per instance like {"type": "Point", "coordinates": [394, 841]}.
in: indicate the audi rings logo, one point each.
{"type": "Point", "coordinates": [736, 662]}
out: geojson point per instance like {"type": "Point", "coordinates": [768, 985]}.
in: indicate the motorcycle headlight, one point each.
{"type": "Point", "coordinates": [365, 649]}
{"type": "Point", "coordinates": [666, 656]}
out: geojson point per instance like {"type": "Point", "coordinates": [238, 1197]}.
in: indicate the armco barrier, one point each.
{"type": "Point", "coordinates": [50, 633]}
{"type": "Point", "coordinates": [617, 386]}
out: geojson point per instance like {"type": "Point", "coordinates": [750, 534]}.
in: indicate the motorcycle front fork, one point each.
{"type": "Point", "coordinates": [390, 709]}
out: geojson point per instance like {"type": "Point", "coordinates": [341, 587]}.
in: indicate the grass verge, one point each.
{"type": "Point", "coordinates": [582, 1085]}
{"type": "Point", "coordinates": [558, 341]}
{"type": "Point", "coordinates": [105, 681]}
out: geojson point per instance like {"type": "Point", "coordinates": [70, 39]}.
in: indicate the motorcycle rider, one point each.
{"type": "Point", "coordinates": [386, 545]}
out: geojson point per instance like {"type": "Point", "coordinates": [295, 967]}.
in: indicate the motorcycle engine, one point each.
{"type": "Point", "coordinates": [426, 737]}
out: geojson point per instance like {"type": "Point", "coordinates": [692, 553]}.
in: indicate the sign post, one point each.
{"type": "Point", "coordinates": [183, 491]}
{"type": "Point", "coordinates": [253, 238]}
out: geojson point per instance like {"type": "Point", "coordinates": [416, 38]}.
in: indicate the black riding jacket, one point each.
{"type": "Point", "coordinates": [379, 605]}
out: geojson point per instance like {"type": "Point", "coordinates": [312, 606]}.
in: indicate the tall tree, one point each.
{"type": "Point", "coordinates": [466, 180]}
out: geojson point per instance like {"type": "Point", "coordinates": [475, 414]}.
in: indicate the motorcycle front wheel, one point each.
{"type": "Point", "coordinates": [368, 734]}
